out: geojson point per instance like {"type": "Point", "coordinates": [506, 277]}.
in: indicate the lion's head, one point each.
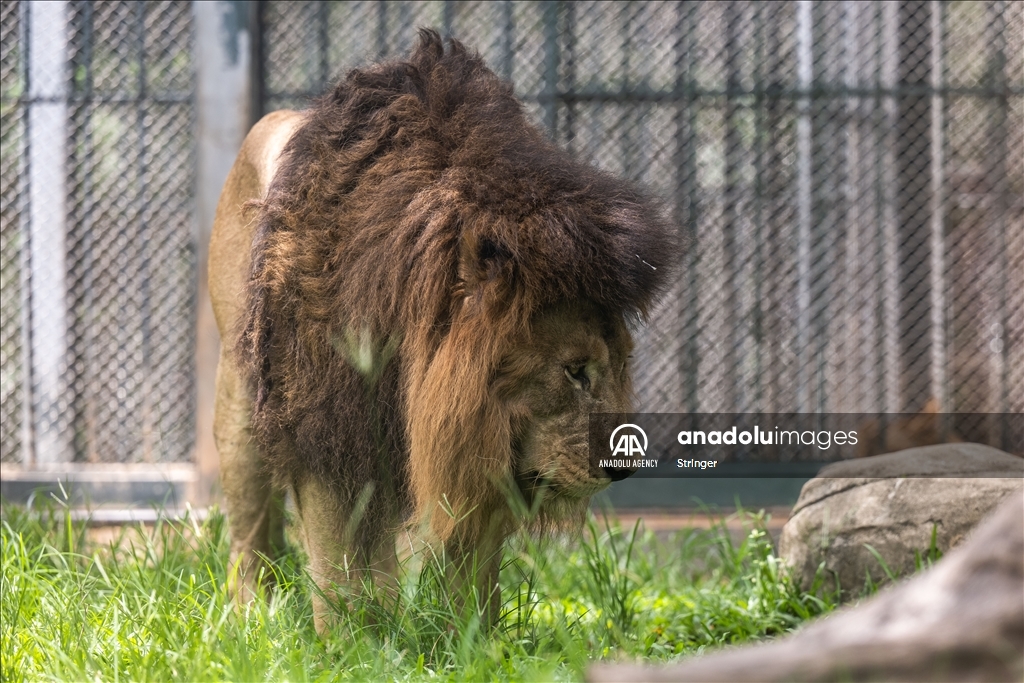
{"type": "Point", "coordinates": [492, 276]}
{"type": "Point", "coordinates": [573, 363]}
{"type": "Point", "coordinates": [527, 418]}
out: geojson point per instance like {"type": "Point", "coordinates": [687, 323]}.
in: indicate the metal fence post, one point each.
{"type": "Point", "coordinates": [887, 341]}
{"type": "Point", "coordinates": [731, 230]}
{"type": "Point", "coordinates": [938, 208]}
{"type": "Point", "coordinates": [47, 395]}
{"type": "Point", "coordinates": [687, 201]}
{"type": "Point", "coordinates": [804, 151]}
{"type": "Point", "coordinates": [996, 161]}
{"type": "Point", "coordinates": [224, 45]}
{"type": "Point", "coordinates": [551, 59]}
{"type": "Point", "coordinates": [913, 177]}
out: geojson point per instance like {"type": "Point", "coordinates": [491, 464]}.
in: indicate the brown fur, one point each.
{"type": "Point", "coordinates": [422, 258]}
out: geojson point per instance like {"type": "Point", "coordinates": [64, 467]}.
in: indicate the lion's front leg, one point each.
{"type": "Point", "coordinates": [343, 552]}
{"type": "Point", "coordinates": [255, 509]}
{"type": "Point", "coordinates": [472, 573]}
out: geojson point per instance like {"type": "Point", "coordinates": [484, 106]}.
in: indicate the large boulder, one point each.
{"type": "Point", "coordinates": [893, 503]}
{"type": "Point", "coordinates": [962, 620]}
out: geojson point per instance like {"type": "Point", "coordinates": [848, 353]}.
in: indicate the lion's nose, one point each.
{"type": "Point", "coordinates": [618, 473]}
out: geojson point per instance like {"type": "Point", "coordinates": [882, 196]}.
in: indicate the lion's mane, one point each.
{"type": "Point", "coordinates": [416, 223]}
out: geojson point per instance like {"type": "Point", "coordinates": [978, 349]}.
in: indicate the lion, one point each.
{"type": "Point", "coordinates": [422, 301]}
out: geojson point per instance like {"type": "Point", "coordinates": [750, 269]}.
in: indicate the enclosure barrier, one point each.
{"type": "Point", "coordinates": [849, 177]}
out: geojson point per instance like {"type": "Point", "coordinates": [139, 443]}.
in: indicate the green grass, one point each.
{"type": "Point", "coordinates": [153, 606]}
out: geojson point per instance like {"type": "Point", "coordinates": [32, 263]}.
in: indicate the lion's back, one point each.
{"type": "Point", "coordinates": [231, 237]}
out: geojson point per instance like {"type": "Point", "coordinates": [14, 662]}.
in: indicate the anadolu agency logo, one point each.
{"type": "Point", "coordinates": [628, 444]}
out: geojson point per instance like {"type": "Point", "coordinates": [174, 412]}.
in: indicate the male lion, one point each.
{"type": "Point", "coordinates": [428, 303]}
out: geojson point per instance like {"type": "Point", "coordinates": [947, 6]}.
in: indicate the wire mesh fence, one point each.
{"type": "Point", "coordinates": [98, 232]}
{"type": "Point", "coordinates": [850, 176]}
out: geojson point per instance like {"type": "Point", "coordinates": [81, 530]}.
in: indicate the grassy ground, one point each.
{"type": "Point", "coordinates": [152, 606]}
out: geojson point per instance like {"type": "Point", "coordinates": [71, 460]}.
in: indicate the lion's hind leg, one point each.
{"type": "Point", "coordinates": [346, 550]}
{"type": "Point", "coordinates": [255, 508]}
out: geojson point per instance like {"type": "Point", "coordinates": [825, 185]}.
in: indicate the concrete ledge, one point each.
{"type": "Point", "coordinates": [168, 486]}
{"type": "Point", "coordinates": [121, 516]}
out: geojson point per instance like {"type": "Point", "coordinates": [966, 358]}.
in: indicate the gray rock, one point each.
{"type": "Point", "coordinates": [962, 620]}
{"type": "Point", "coordinates": [893, 503]}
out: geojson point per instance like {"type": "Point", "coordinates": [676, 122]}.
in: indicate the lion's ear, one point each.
{"type": "Point", "coordinates": [485, 268]}
{"type": "Point", "coordinates": [491, 258]}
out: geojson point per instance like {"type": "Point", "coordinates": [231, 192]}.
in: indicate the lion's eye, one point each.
{"type": "Point", "coordinates": [577, 374]}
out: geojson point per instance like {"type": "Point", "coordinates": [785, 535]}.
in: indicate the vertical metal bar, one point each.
{"type": "Point", "coordinates": [760, 137]}
{"type": "Point", "coordinates": [404, 22]}
{"type": "Point", "coordinates": [551, 58]}
{"type": "Point", "coordinates": [913, 180]}
{"type": "Point", "coordinates": [88, 39]}
{"type": "Point", "coordinates": [879, 218]}
{"type": "Point", "coordinates": [47, 214]}
{"type": "Point", "coordinates": [87, 231]}
{"type": "Point", "coordinates": [939, 355]}
{"type": "Point", "coordinates": [878, 123]}
{"type": "Point", "coordinates": [570, 75]}
{"type": "Point", "coordinates": [996, 173]}
{"type": "Point", "coordinates": [145, 309]}
{"type": "Point", "coordinates": [628, 109]}
{"type": "Point", "coordinates": [508, 41]}
{"type": "Point", "coordinates": [687, 197]}
{"type": "Point", "coordinates": [448, 16]}
{"type": "Point", "coordinates": [828, 206]}
{"type": "Point", "coordinates": [805, 74]}
{"type": "Point", "coordinates": [257, 64]}
{"type": "Point", "coordinates": [778, 325]}
{"type": "Point", "coordinates": [848, 398]}
{"type": "Point", "coordinates": [735, 337]}
{"type": "Point", "coordinates": [27, 454]}
{"type": "Point", "coordinates": [887, 28]}
{"type": "Point", "coordinates": [322, 44]}
{"type": "Point", "coordinates": [382, 28]}
{"type": "Point", "coordinates": [884, 79]}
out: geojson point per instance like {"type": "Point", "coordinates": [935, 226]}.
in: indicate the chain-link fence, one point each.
{"type": "Point", "coordinates": [851, 175]}
{"type": "Point", "coordinates": [98, 238]}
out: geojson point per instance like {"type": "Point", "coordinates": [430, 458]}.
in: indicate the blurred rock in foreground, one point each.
{"type": "Point", "coordinates": [961, 620]}
{"type": "Point", "coordinates": [893, 502]}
